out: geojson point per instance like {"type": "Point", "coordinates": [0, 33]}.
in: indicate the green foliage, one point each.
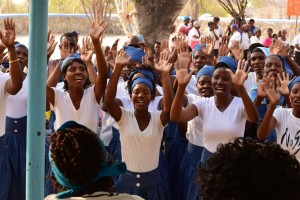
{"type": "Point", "coordinates": [212, 7]}
{"type": "Point", "coordinates": [65, 6]}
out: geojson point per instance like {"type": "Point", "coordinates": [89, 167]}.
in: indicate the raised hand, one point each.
{"type": "Point", "coordinates": [163, 64]}
{"type": "Point", "coordinates": [51, 44]}
{"type": "Point", "coordinates": [184, 56]}
{"type": "Point", "coordinates": [276, 47]}
{"type": "Point", "coordinates": [65, 49]}
{"type": "Point", "coordinates": [237, 50]}
{"type": "Point", "coordinates": [284, 80]}
{"type": "Point", "coordinates": [9, 34]}
{"type": "Point", "coordinates": [96, 30]}
{"type": "Point", "coordinates": [122, 59]}
{"type": "Point", "coordinates": [87, 49]}
{"type": "Point", "coordinates": [240, 75]}
{"type": "Point", "coordinates": [114, 47]}
{"type": "Point", "coordinates": [164, 45]}
{"type": "Point", "coordinates": [272, 91]}
{"type": "Point", "coordinates": [183, 76]}
{"type": "Point", "coordinates": [209, 46]}
{"type": "Point", "coordinates": [223, 48]}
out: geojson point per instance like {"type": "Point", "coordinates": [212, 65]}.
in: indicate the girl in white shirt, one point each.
{"type": "Point", "coordinates": [141, 131]}
{"type": "Point", "coordinates": [285, 120]}
{"type": "Point", "coordinates": [223, 115]}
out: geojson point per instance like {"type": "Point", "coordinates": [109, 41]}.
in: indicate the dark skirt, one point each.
{"type": "Point", "coordinates": [177, 151]}
{"type": "Point", "coordinates": [148, 185]}
{"type": "Point", "coordinates": [194, 189]}
{"type": "Point", "coordinates": [114, 147]}
{"type": "Point", "coordinates": [168, 135]}
{"type": "Point", "coordinates": [6, 172]}
{"type": "Point", "coordinates": [188, 166]}
{"type": "Point", "coordinates": [16, 137]}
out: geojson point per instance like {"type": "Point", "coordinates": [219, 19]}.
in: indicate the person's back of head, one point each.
{"type": "Point", "coordinates": [79, 162]}
{"type": "Point", "coordinates": [246, 169]}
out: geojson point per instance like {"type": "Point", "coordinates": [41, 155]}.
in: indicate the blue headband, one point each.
{"type": "Point", "coordinates": [144, 80]}
{"type": "Point", "coordinates": [114, 169]}
{"type": "Point", "coordinates": [185, 18]}
{"type": "Point", "coordinates": [227, 61]}
{"type": "Point", "coordinates": [20, 45]}
{"type": "Point", "coordinates": [197, 47]}
{"type": "Point", "coordinates": [66, 60]}
{"type": "Point", "coordinates": [206, 70]}
{"type": "Point", "coordinates": [135, 54]}
{"type": "Point", "coordinates": [147, 73]}
{"type": "Point", "coordinates": [265, 50]}
{"type": "Point", "coordinates": [293, 82]}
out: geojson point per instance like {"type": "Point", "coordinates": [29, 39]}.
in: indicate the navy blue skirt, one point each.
{"type": "Point", "coordinates": [114, 147]}
{"type": "Point", "coordinates": [188, 165]}
{"type": "Point", "coordinates": [148, 185]}
{"type": "Point", "coordinates": [16, 136]}
{"type": "Point", "coordinates": [177, 151]}
{"type": "Point", "coordinates": [7, 177]}
{"type": "Point", "coordinates": [194, 189]}
{"type": "Point", "coordinates": [168, 135]}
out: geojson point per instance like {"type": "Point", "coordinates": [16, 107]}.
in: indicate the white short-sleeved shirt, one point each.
{"type": "Point", "coordinates": [191, 86]}
{"type": "Point", "coordinates": [218, 33]}
{"type": "Point", "coordinates": [255, 39]}
{"type": "Point", "coordinates": [250, 81]}
{"type": "Point", "coordinates": [3, 101]}
{"type": "Point", "coordinates": [236, 36]}
{"type": "Point", "coordinates": [17, 104]}
{"type": "Point", "coordinates": [220, 127]}
{"type": "Point", "coordinates": [297, 41]}
{"type": "Point", "coordinates": [87, 114]}
{"type": "Point", "coordinates": [288, 129]}
{"type": "Point", "coordinates": [193, 32]}
{"type": "Point", "coordinates": [245, 43]}
{"type": "Point", "coordinates": [140, 149]}
{"type": "Point", "coordinates": [98, 196]}
{"type": "Point", "coordinates": [194, 132]}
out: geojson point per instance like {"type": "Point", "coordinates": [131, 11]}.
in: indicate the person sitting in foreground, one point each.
{"type": "Point", "coordinates": [245, 169]}
{"type": "Point", "coordinates": [81, 166]}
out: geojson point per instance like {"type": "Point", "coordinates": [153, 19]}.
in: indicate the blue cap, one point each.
{"type": "Point", "coordinates": [186, 17]}
{"type": "Point", "coordinates": [135, 54]}
{"type": "Point", "coordinates": [228, 62]}
{"type": "Point", "coordinates": [205, 70]}
{"type": "Point", "coordinates": [293, 82]}
{"type": "Point", "coordinates": [70, 57]}
{"type": "Point", "coordinates": [144, 80]}
{"type": "Point", "coordinates": [20, 45]}
{"type": "Point", "coordinates": [197, 47]}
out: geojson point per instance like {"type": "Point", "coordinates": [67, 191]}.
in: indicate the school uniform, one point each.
{"type": "Point", "coordinates": [140, 152]}
{"type": "Point", "coordinates": [6, 168]}
{"type": "Point", "coordinates": [16, 125]}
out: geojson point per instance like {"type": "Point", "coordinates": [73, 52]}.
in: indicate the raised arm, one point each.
{"type": "Point", "coordinates": [269, 122]}
{"type": "Point", "coordinates": [284, 80]}
{"type": "Point", "coordinates": [164, 68]}
{"type": "Point", "coordinates": [51, 82]}
{"type": "Point", "coordinates": [179, 114]}
{"type": "Point", "coordinates": [96, 32]}
{"type": "Point", "coordinates": [110, 94]}
{"type": "Point", "coordinates": [238, 80]}
{"type": "Point", "coordinates": [14, 84]}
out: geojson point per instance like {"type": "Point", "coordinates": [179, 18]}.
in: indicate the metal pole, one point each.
{"type": "Point", "coordinates": [35, 163]}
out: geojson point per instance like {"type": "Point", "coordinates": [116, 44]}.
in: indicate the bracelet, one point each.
{"type": "Point", "coordinates": [10, 62]}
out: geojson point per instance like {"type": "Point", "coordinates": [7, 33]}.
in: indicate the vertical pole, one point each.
{"type": "Point", "coordinates": [35, 163]}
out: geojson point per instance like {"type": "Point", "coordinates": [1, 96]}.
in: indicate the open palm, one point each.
{"type": "Point", "coordinates": [183, 76]}
{"type": "Point", "coordinates": [97, 30]}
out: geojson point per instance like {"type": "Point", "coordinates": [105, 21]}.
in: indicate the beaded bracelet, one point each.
{"type": "Point", "coordinates": [10, 62]}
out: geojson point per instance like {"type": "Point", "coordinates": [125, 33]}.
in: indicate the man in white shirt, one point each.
{"type": "Point", "coordinates": [245, 41]}
{"type": "Point", "coordinates": [216, 34]}
{"type": "Point", "coordinates": [236, 36]}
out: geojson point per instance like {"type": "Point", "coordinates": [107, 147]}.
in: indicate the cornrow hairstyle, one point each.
{"type": "Point", "coordinates": [79, 157]}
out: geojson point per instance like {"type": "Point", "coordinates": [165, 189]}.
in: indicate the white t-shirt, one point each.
{"type": "Point", "coordinates": [140, 149]}
{"type": "Point", "coordinates": [218, 33]}
{"type": "Point", "coordinates": [255, 39]}
{"type": "Point", "coordinates": [193, 32]}
{"type": "Point", "coordinates": [194, 132]}
{"type": "Point", "coordinates": [3, 101]}
{"type": "Point", "coordinates": [17, 104]}
{"type": "Point", "coordinates": [191, 86]}
{"type": "Point", "coordinates": [250, 81]}
{"type": "Point", "coordinates": [286, 42]}
{"type": "Point", "coordinates": [99, 196]}
{"type": "Point", "coordinates": [297, 41]}
{"type": "Point", "coordinates": [220, 127]}
{"type": "Point", "coordinates": [245, 43]}
{"type": "Point", "coordinates": [87, 114]}
{"type": "Point", "coordinates": [236, 36]}
{"type": "Point", "coordinates": [288, 129]}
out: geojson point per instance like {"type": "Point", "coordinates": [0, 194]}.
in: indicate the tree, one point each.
{"type": "Point", "coordinates": [235, 7]}
{"type": "Point", "coordinates": [195, 9]}
{"type": "Point", "coordinates": [155, 18]}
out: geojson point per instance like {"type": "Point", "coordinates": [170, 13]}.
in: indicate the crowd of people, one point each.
{"type": "Point", "coordinates": [194, 117]}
